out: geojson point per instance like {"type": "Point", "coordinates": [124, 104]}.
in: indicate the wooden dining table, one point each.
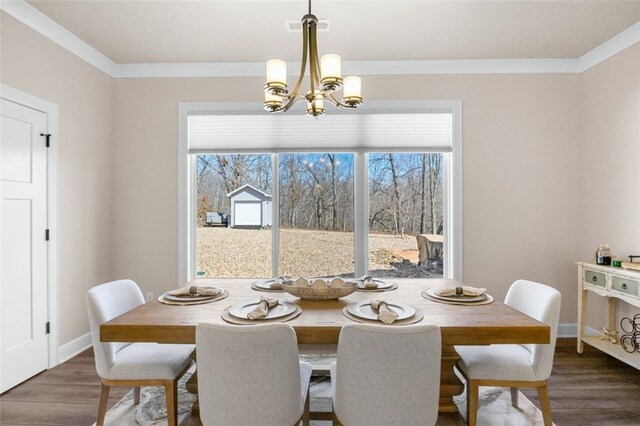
{"type": "Point", "coordinates": [321, 321]}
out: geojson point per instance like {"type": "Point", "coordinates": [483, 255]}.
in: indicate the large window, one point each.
{"type": "Point", "coordinates": [344, 195]}
{"type": "Point", "coordinates": [233, 215]}
{"type": "Point", "coordinates": [406, 214]}
{"type": "Point", "coordinates": [316, 214]}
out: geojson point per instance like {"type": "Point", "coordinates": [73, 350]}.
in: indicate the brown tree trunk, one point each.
{"type": "Point", "coordinates": [423, 184]}
{"type": "Point", "coordinates": [334, 192]}
{"type": "Point", "coordinates": [396, 195]}
{"type": "Point", "coordinates": [434, 173]}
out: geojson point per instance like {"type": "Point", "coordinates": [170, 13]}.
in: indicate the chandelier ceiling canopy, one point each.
{"type": "Point", "coordinates": [325, 78]}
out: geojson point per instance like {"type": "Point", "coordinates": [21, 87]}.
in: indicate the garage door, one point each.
{"type": "Point", "coordinates": [248, 213]}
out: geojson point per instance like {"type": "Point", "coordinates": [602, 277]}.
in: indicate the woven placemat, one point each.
{"type": "Point", "coordinates": [221, 296]}
{"type": "Point", "coordinates": [235, 320]}
{"type": "Point", "coordinates": [378, 290]}
{"type": "Point", "coordinates": [417, 317]}
{"type": "Point", "coordinates": [488, 300]}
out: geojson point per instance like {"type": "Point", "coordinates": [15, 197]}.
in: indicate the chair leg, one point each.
{"type": "Point", "coordinates": [102, 405]}
{"type": "Point", "coordinates": [171, 391]}
{"type": "Point", "coordinates": [136, 395]}
{"type": "Point", "coordinates": [472, 402]}
{"type": "Point", "coordinates": [545, 405]}
{"type": "Point", "coordinates": [305, 413]}
{"type": "Point", "coordinates": [514, 397]}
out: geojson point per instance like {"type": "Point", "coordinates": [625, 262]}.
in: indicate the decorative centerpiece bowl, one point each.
{"type": "Point", "coordinates": [320, 289]}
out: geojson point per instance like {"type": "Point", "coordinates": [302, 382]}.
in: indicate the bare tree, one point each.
{"type": "Point", "coordinates": [396, 195]}
{"type": "Point", "coordinates": [435, 165]}
{"type": "Point", "coordinates": [316, 190]}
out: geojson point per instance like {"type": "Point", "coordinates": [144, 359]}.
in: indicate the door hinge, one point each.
{"type": "Point", "coordinates": [48, 328]}
{"type": "Point", "coordinates": [46, 235]}
{"type": "Point", "coordinates": [48, 138]}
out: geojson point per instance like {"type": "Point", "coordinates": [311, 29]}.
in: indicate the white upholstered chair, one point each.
{"type": "Point", "coordinates": [387, 375]}
{"type": "Point", "coordinates": [251, 374]}
{"type": "Point", "coordinates": [132, 364]}
{"type": "Point", "coordinates": [515, 366]}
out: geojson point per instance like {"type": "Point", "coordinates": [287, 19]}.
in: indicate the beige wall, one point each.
{"type": "Point", "coordinates": [84, 95]}
{"type": "Point", "coordinates": [521, 172]}
{"type": "Point", "coordinates": [610, 169]}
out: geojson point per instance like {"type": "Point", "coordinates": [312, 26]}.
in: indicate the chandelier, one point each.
{"type": "Point", "coordinates": [325, 78]}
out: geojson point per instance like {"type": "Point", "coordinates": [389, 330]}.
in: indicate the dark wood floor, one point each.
{"type": "Point", "coordinates": [588, 389]}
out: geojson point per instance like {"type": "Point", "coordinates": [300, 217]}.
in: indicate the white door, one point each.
{"type": "Point", "coordinates": [248, 213]}
{"type": "Point", "coordinates": [23, 250]}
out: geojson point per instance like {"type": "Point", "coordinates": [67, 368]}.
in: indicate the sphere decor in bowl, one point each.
{"type": "Point", "coordinates": [320, 288]}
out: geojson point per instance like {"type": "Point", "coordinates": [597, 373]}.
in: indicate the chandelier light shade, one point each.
{"type": "Point", "coordinates": [325, 78]}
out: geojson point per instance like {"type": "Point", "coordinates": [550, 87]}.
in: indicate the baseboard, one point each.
{"type": "Point", "coordinates": [74, 347]}
{"type": "Point", "coordinates": [567, 330]}
{"type": "Point", "coordinates": [571, 330]}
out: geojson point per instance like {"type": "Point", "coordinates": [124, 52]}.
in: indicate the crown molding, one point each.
{"type": "Point", "coordinates": [609, 48]}
{"type": "Point", "coordinates": [41, 23]}
{"type": "Point", "coordinates": [256, 69]}
{"type": "Point", "coordinates": [44, 25]}
{"type": "Point", "coordinates": [210, 69]}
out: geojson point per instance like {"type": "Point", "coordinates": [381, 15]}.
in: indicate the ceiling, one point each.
{"type": "Point", "coordinates": [188, 31]}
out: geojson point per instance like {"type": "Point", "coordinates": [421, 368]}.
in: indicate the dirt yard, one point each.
{"type": "Point", "coordinates": [246, 253]}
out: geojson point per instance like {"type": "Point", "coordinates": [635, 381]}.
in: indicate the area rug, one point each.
{"type": "Point", "coordinates": [494, 407]}
{"type": "Point", "coordinates": [152, 409]}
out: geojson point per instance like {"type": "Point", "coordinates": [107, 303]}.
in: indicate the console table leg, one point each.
{"type": "Point", "coordinates": [582, 310]}
{"type": "Point", "coordinates": [612, 314]}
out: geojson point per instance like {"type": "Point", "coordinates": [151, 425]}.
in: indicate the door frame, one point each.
{"type": "Point", "coordinates": [25, 99]}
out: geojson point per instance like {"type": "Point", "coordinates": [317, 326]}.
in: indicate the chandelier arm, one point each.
{"type": "Point", "coordinates": [303, 65]}
{"type": "Point", "coordinates": [288, 105]}
{"type": "Point", "coordinates": [313, 65]}
{"type": "Point", "coordinates": [338, 103]}
{"type": "Point", "coordinates": [314, 55]}
{"type": "Point", "coordinates": [291, 102]}
{"type": "Point", "coordinates": [329, 97]}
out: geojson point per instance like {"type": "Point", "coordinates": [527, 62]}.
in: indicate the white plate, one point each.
{"type": "Point", "coordinates": [432, 292]}
{"type": "Point", "coordinates": [266, 284]}
{"type": "Point", "coordinates": [283, 308]}
{"type": "Point", "coordinates": [364, 310]}
{"type": "Point", "coordinates": [190, 298]}
{"type": "Point", "coordinates": [382, 285]}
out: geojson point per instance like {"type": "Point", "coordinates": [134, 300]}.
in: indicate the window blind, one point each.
{"type": "Point", "coordinates": [337, 132]}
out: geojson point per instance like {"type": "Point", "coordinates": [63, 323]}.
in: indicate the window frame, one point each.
{"type": "Point", "coordinates": [452, 189]}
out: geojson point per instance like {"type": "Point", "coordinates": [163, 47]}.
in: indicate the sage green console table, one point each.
{"type": "Point", "coordinates": [614, 284]}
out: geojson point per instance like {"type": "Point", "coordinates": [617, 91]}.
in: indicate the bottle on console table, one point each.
{"type": "Point", "coordinates": [603, 254]}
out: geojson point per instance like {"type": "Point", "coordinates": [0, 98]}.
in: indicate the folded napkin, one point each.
{"type": "Point", "coordinates": [276, 283]}
{"type": "Point", "coordinates": [385, 313]}
{"type": "Point", "coordinates": [262, 309]}
{"type": "Point", "coordinates": [460, 291]}
{"type": "Point", "coordinates": [195, 291]}
{"type": "Point", "coordinates": [370, 284]}
{"type": "Point", "coordinates": [367, 282]}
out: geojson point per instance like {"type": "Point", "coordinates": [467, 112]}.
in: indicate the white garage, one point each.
{"type": "Point", "coordinates": [250, 207]}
